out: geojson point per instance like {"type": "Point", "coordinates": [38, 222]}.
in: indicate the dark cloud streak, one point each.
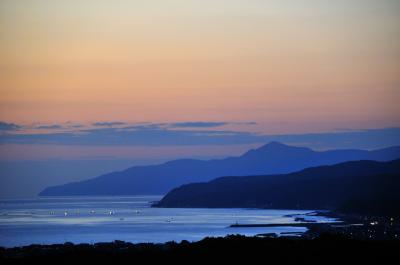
{"type": "Point", "coordinates": [108, 124]}
{"type": "Point", "coordinates": [5, 126]}
{"type": "Point", "coordinates": [197, 124]}
{"type": "Point", "coordinates": [157, 135]}
{"type": "Point", "coordinates": [50, 127]}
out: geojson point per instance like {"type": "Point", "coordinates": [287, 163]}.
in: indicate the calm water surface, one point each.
{"type": "Point", "coordinates": [101, 219]}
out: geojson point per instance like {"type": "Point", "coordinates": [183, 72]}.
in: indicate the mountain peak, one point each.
{"type": "Point", "coordinates": [275, 147]}
{"type": "Point", "coordinates": [274, 144]}
{"type": "Point", "coordinates": [272, 158]}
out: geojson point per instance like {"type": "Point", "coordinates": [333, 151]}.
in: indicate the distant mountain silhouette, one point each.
{"type": "Point", "coordinates": [273, 158]}
{"type": "Point", "coordinates": [358, 187]}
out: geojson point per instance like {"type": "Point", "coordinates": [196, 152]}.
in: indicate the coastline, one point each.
{"type": "Point", "coordinates": [127, 219]}
{"type": "Point", "coordinates": [356, 232]}
{"type": "Point", "coordinates": [352, 226]}
{"type": "Point", "coordinates": [354, 238]}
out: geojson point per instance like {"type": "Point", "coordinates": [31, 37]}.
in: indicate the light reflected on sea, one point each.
{"type": "Point", "coordinates": [99, 219]}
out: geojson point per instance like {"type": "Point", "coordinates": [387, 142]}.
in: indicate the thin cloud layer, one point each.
{"type": "Point", "coordinates": [108, 124]}
{"type": "Point", "coordinates": [168, 134]}
{"type": "Point", "coordinates": [197, 124]}
{"type": "Point", "coordinates": [5, 126]}
{"type": "Point", "coordinates": [49, 127]}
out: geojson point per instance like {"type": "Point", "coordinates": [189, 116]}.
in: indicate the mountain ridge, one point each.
{"type": "Point", "coordinates": [272, 158]}
{"type": "Point", "coordinates": [365, 186]}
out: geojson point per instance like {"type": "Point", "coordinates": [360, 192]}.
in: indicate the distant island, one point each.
{"type": "Point", "coordinates": [357, 187]}
{"type": "Point", "coordinates": [272, 158]}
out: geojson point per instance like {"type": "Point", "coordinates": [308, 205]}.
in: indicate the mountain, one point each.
{"type": "Point", "coordinates": [358, 187]}
{"type": "Point", "coordinates": [272, 158]}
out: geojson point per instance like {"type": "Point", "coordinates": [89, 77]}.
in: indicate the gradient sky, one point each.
{"type": "Point", "coordinates": [90, 86]}
{"type": "Point", "coordinates": [304, 65]}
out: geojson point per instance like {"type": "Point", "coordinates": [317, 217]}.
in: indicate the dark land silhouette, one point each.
{"type": "Point", "coordinates": [324, 249]}
{"type": "Point", "coordinates": [273, 158]}
{"type": "Point", "coordinates": [362, 187]}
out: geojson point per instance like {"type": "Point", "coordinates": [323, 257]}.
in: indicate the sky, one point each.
{"type": "Point", "coordinates": [321, 63]}
{"type": "Point", "coordinates": [147, 81]}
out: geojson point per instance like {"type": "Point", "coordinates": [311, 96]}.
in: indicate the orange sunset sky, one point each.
{"type": "Point", "coordinates": [89, 87]}
{"type": "Point", "coordinates": [298, 65]}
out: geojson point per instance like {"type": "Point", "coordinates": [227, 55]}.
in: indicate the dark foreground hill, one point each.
{"type": "Point", "coordinates": [366, 187]}
{"type": "Point", "coordinates": [273, 158]}
{"type": "Point", "coordinates": [229, 250]}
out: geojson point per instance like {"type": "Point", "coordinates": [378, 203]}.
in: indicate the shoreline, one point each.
{"type": "Point", "coordinates": [352, 226]}
{"type": "Point", "coordinates": [348, 225]}
{"type": "Point", "coordinates": [323, 243]}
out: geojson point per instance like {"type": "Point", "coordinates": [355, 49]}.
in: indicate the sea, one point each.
{"type": "Point", "coordinates": [104, 219]}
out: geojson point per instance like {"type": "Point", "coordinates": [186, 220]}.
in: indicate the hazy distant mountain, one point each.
{"type": "Point", "coordinates": [358, 186]}
{"type": "Point", "coordinates": [272, 158]}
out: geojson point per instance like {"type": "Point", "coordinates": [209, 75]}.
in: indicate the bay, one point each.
{"type": "Point", "coordinates": [103, 219]}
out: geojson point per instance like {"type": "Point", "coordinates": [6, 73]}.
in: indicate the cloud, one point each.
{"type": "Point", "coordinates": [159, 134]}
{"type": "Point", "coordinates": [191, 133]}
{"type": "Point", "coordinates": [76, 126]}
{"type": "Point", "coordinates": [248, 123]}
{"type": "Point", "coordinates": [207, 124]}
{"type": "Point", "coordinates": [197, 124]}
{"type": "Point", "coordinates": [108, 124]}
{"type": "Point", "coordinates": [150, 126]}
{"type": "Point", "coordinates": [146, 135]}
{"type": "Point", "coordinates": [5, 126]}
{"type": "Point", "coordinates": [49, 127]}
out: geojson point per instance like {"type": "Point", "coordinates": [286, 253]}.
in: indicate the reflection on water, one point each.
{"type": "Point", "coordinates": [95, 219]}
